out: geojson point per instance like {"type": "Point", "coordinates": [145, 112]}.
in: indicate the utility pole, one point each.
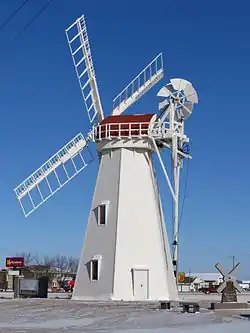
{"type": "Point", "coordinates": [189, 273]}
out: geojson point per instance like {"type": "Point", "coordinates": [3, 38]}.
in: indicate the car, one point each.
{"type": "Point", "coordinates": [72, 284]}
{"type": "Point", "coordinates": [66, 286]}
{"type": "Point", "coordinates": [69, 285]}
{"type": "Point", "coordinates": [209, 290]}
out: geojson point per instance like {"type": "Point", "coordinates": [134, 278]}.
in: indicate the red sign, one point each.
{"type": "Point", "coordinates": [14, 262]}
{"type": "Point", "coordinates": [181, 277]}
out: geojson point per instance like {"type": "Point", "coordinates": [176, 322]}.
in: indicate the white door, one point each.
{"type": "Point", "coordinates": [140, 284]}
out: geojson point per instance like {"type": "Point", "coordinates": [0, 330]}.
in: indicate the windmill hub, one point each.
{"type": "Point", "coordinates": [126, 253]}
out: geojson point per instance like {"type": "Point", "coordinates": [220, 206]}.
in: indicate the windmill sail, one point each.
{"type": "Point", "coordinates": [79, 46]}
{"type": "Point", "coordinates": [52, 175]}
{"type": "Point", "coordinates": [144, 81]}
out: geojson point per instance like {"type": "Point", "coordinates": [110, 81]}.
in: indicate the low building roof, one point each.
{"type": "Point", "coordinates": [206, 276]}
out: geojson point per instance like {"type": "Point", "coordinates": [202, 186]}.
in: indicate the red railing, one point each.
{"type": "Point", "coordinates": [121, 130]}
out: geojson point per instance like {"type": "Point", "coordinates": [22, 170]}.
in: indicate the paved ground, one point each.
{"type": "Point", "coordinates": [206, 300]}
{"type": "Point", "coordinates": [244, 297]}
{"type": "Point", "coordinates": [53, 316]}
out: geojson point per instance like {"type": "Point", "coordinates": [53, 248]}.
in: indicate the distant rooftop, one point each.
{"type": "Point", "coordinates": [205, 276]}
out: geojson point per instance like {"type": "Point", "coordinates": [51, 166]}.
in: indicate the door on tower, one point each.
{"type": "Point", "coordinates": [140, 283]}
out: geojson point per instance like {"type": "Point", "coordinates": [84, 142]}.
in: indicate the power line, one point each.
{"type": "Point", "coordinates": [13, 14]}
{"type": "Point", "coordinates": [37, 15]}
{"type": "Point", "coordinates": [33, 19]}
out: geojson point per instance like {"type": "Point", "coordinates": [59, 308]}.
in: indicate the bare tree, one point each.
{"type": "Point", "coordinates": [28, 257]}
{"type": "Point", "coordinates": [61, 266]}
{"type": "Point", "coordinates": [65, 266]}
{"type": "Point", "coordinates": [45, 261]}
{"type": "Point", "coordinates": [73, 265]}
{"type": "Point", "coordinates": [61, 263]}
{"type": "Point", "coordinates": [44, 266]}
{"type": "Point", "coordinates": [48, 261]}
{"type": "Point", "coordinates": [57, 267]}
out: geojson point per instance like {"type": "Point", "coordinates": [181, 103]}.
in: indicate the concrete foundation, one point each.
{"type": "Point", "coordinates": [229, 306]}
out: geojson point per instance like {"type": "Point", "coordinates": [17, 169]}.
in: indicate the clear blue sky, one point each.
{"type": "Point", "coordinates": [41, 109]}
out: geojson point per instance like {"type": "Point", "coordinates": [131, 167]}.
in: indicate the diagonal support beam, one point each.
{"type": "Point", "coordinates": [164, 169]}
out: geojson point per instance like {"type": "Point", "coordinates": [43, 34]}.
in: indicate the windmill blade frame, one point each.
{"type": "Point", "coordinates": [221, 287]}
{"type": "Point", "coordinates": [46, 180]}
{"type": "Point", "coordinates": [179, 84]}
{"type": "Point", "coordinates": [221, 270]}
{"type": "Point", "coordinates": [238, 287]}
{"type": "Point", "coordinates": [187, 88]}
{"type": "Point", "coordinates": [78, 41]}
{"type": "Point", "coordinates": [234, 269]}
{"type": "Point", "coordinates": [144, 81]}
{"type": "Point", "coordinates": [191, 94]}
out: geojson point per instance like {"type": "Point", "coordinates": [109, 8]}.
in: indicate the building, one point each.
{"type": "Point", "coordinates": [195, 281]}
{"type": "Point", "coordinates": [187, 285]}
{"type": "Point", "coordinates": [244, 284]}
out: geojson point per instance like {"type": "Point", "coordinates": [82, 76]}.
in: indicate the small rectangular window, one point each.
{"type": "Point", "coordinates": [94, 270]}
{"type": "Point", "coordinates": [102, 214]}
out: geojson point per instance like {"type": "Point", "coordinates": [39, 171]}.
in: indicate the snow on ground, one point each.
{"type": "Point", "coordinates": [52, 316]}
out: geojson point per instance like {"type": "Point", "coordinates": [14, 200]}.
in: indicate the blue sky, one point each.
{"type": "Point", "coordinates": [42, 109]}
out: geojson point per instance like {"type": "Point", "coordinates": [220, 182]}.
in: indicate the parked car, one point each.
{"type": "Point", "coordinates": [72, 284]}
{"type": "Point", "coordinates": [69, 285]}
{"type": "Point", "coordinates": [66, 286]}
{"type": "Point", "coordinates": [209, 290]}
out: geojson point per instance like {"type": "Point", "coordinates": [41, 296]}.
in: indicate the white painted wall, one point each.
{"type": "Point", "coordinates": [135, 234]}
{"type": "Point", "coordinates": [100, 240]}
{"type": "Point", "coordinates": [139, 234]}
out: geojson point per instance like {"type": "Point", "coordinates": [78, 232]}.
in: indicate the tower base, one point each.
{"type": "Point", "coordinates": [126, 255]}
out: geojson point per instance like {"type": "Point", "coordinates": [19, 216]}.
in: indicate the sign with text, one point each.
{"type": "Point", "coordinates": [14, 262]}
{"type": "Point", "coordinates": [181, 277]}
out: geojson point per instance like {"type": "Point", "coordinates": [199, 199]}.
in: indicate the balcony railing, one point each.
{"type": "Point", "coordinates": [131, 130]}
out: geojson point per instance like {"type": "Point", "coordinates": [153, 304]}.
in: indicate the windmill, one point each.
{"type": "Point", "coordinates": [229, 286]}
{"type": "Point", "coordinates": [126, 254]}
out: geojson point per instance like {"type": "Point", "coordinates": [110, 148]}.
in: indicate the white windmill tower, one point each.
{"type": "Point", "coordinates": [126, 255]}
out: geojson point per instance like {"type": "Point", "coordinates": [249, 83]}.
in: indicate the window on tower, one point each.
{"type": "Point", "coordinates": [102, 214]}
{"type": "Point", "coordinates": [94, 270]}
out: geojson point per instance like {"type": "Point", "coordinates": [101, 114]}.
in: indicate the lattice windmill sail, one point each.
{"type": "Point", "coordinates": [145, 80]}
{"type": "Point", "coordinates": [52, 175]}
{"type": "Point", "coordinates": [79, 46]}
{"type": "Point", "coordinates": [126, 254]}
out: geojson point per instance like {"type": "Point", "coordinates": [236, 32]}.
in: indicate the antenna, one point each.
{"type": "Point", "coordinates": [52, 175]}
{"type": "Point", "coordinates": [144, 81]}
{"type": "Point", "coordinates": [79, 46]}
{"type": "Point", "coordinates": [177, 100]}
